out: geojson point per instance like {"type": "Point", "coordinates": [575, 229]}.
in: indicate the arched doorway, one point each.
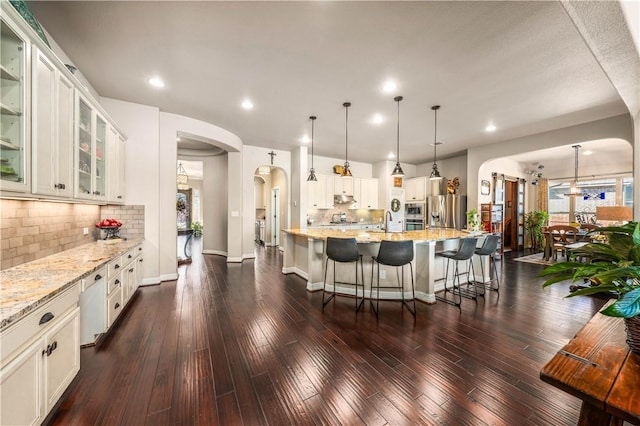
{"type": "Point", "coordinates": [271, 210]}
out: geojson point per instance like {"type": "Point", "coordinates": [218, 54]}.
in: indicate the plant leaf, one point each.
{"type": "Point", "coordinates": [628, 306]}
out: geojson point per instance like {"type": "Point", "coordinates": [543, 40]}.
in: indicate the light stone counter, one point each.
{"type": "Point", "coordinates": [25, 287]}
{"type": "Point", "coordinates": [304, 255]}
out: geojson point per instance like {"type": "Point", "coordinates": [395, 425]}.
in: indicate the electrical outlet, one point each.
{"type": "Point", "coordinates": [383, 274]}
{"type": "Point", "coordinates": [85, 231]}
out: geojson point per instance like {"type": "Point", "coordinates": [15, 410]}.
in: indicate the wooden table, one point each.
{"type": "Point", "coordinates": [598, 367]}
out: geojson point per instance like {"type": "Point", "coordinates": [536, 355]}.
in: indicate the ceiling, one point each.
{"type": "Point", "coordinates": [519, 65]}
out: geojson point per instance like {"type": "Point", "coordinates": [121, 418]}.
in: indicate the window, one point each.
{"type": "Point", "coordinates": [598, 192]}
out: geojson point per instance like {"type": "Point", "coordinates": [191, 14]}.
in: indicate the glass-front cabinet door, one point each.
{"type": "Point", "coordinates": [100, 175]}
{"type": "Point", "coordinates": [14, 151]}
{"type": "Point", "coordinates": [84, 149]}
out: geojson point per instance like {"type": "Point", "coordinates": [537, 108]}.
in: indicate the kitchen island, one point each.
{"type": "Point", "coordinates": [304, 255]}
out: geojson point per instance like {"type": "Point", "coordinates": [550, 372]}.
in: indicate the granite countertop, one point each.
{"type": "Point", "coordinates": [370, 236]}
{"type": "Point", "coordinates": [25, 287]}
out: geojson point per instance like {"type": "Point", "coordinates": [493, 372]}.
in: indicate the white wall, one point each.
{"type": "Point", "coordinates": [215, 205]}
{"type": "Point", "coordinates": [141, 124]}
{"type": "Point", "coordinates": [614, 127]}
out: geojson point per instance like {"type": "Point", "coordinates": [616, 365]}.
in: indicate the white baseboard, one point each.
{"type": "Point", "coordinates": [249, 256]}
{"type": "Point", "coordinates": [425, 297]}
{"type": "Point", "coordinates": [216, 252]}
{"type": "Point", "coordinates": [294, 270]}
{"type": "Point", "coordinates": [151, 281]}
{"type": "Point", "coordinates": [234, 259]}
{"type": "Point", "coordinates": [169, 277]}
{"type": "Point", "coordinates": [314, 286]}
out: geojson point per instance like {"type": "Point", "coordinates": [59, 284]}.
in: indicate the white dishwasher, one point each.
{"type": "Point", "coordinates": [93, 306]}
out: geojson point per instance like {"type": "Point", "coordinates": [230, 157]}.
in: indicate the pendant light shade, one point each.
{"type": "Point", "coordinates": [346, 171]}
{"type": "Point", "coordinates": [575, 192]}
{"type": "Point", "coordinates": [312, 172]}
{"type": "Point", "coordinates": [182, 179]}
{"type": "Point", "coordinates": [397, 171]}
{"type": "Point", "coordinates": [435, 174]}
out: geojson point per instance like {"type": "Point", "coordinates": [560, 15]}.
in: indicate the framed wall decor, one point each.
{"type": "Point", "coordinates": [397, 182]}
{"type": "Point", "coordinates": [485, 187]}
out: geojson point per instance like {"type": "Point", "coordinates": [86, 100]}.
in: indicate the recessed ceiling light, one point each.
{"type": "Point", "coordinates": [377, 118]}
{"type": "Point", "coordinates": [305, 139]}
{"type": "Point", "coordinates": [247, 104]}
{"type": "Point", "coordinates": [490, 128]}
{"type": "Point", "coordinates": [389, 86]}
{"type": "Point", "coordinates": [156, 82]}
{"type": "Point", "coordinates": [391, 155]}
{"type": "Point", "coordinates": [178, 139]}
{"type": "Point", "coordinates": [587, 152]}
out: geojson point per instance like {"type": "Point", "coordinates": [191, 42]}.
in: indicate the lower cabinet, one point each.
{"type": "Point", "coordinates": [35, 376]}
{"type": "Point", "coordinates": [114, 306]}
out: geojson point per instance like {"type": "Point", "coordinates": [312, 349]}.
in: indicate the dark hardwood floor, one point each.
{"type": "Point", "coordinates": [234, 344]}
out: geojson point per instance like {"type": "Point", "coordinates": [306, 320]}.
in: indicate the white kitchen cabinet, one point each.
{"type": "Point", "coordinates": [91, 136]}
{"type": "Point", "coordinates": [52, 129]}
{"type": "Point", "coordinates": [320, 193]}
{"type": "Point", "coordinates": [114, 306]}
{"type": "Point", "coordinates": [368, 194]}
{"type": "Point", "coordinates": [415, 189]}
{"type": "Point", "coordinates": [14, 106]}
{"type": "Point", "coordinates": [40, 358]}
{"type": "Point", "coordinates": [92, 306]}
{"type": "Point", "coordinates": [115, 165]}
{"type": "Point", "coordinates": [343, 186]}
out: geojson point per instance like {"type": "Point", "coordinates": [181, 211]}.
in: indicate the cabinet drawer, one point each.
{"type": "Point", "coordinates": [114, 306]}
{"type": "Point", "coordinates": [115, 266]}
{"type": "Point", "coordinates": [114, 282]}
{"type": "Point", "coordinates": [128, 257]}
{"type": "Point", "coordinates": [94, 278]}
{"type": "Point", "coordinates": [29, 327]}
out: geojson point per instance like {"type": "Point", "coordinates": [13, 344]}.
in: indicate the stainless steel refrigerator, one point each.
{"type": "Point", "coordinates": [447, 211]}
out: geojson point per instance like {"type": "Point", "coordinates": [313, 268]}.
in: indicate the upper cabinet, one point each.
{"type": "Point", "coordinates": [115, 164]}
{"type": "Point", "coordinates": [54, 137]}
{"type": "Point", "coordinates": [343, 186]}
{"type": "Point", "coordinates": [91, 134]}
{"type": "Point", "coordinates": [368, 194]}
{"type": "Point", "coordinates": [415, 189]}
{"type": "Point", "coordinates": [14, 114]}
{"type": "Point", "coordinates": [52, 129]}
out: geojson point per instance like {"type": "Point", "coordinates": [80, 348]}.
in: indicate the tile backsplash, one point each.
{"type": "Point", "coordinates": [30, 230]}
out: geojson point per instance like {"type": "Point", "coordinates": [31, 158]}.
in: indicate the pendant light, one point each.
{"type": "Point", "coordinates": [574, 192]}
{"type": "Point", "coordinates": [182, 179]}
{"type": "Point", "coordinates": [435, 174]}
{"type": "Point", "coordinates": [312, 172]}
{"type": "Point", "coordinates": [397, 171]}
{"type": "Point", "coordinates": [346, 171]}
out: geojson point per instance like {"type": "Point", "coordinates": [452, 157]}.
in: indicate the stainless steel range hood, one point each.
{"type": "Point", "coordinates": [343, 199]}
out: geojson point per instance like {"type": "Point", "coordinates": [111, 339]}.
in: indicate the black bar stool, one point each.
{"type": "Point", "coordinates": [465, 252]}
{"type": "Point", "coordinates": [342, 250]}
{"type": "Point", "coordinates": [489, 248]}
{"type": "Point", "coordinates": [398, 254]}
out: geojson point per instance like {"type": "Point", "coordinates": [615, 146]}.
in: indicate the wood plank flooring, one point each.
{"type": "Point", "coordinates": [235, 344]}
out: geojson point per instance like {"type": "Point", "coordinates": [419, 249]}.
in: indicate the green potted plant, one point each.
{"type": "Point", "coordinates": [473, 220]}
{"type": "Point", "coordinates": [534, 221]}
{"type": "Point", "coordinates": [613, 267]}
{"type": "Point", "coordinates": [197, 228]}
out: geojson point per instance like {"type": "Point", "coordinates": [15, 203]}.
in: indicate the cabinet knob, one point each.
{"type": "Point", "coordinates": [117, 282]}
{"type": "Point", "coordinates": [130, 269]}
{"type": "Point", "coordinates": [129, 257]}
{"type": "Point", "coordinates": [97, 277]}
{"type": "Point", "coordinates": [119, 197]}
{"type": "Point", "coordinates": [116, 267]}
{"type": "Point", "coordinates": [117, 305]}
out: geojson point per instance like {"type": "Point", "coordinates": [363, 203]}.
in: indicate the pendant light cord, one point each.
{"type": "Point", "coordinates": [398, 99]}
{"type": "Point", "coordinates": [346, 131]}
{"type": "Point", "coordinates": [435, 134]}
{"type": "Point", "coordinates": [313, 119]}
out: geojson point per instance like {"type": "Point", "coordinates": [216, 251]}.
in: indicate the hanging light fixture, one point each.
{"type": "Point", "coordinates": [574, 191]}
{"type": "Point", "coordinates": [397, 171]}
{"type": "Point", "coordinates": [435, 174]}
{"type": "Point", "coordinates": [312, 172]}
{"type": "Point", "coordinates": [346, 171]}
{"type": "Point", "coordinates": [182, 178]}
{"type": "Point", "coordinates": [264, 170]}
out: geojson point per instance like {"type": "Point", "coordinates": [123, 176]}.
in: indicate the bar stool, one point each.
{"type": "Point", "coordinates": [342, 250]}
{"type": "Point", "coordinates": [489, 248]}
{"type": "Point", "coordinates": [398, 254]}
{"type": "Point", "coordinates": [465, 252]}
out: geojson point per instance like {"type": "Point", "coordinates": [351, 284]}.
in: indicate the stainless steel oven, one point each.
{"type": "Point", "coordinates": [415, 210]}
{"type": "Point", "coordinates": [414, 224]}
